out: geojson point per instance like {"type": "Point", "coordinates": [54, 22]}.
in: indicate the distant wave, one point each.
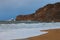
{"type": "Point", "coordinates": [26, 26]}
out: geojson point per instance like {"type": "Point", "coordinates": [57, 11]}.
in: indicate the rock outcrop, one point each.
{"type": "Point", "coordinates": [48, 13]}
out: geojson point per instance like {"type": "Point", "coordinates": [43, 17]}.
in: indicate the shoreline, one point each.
{"type": "Point", "coordinates": [53, 34]}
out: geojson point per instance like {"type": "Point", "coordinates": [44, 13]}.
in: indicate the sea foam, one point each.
{"type": "Point", "coordinates": [23, 30]}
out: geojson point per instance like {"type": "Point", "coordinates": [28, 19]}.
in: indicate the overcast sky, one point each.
{"type": "Point", "coordinates": [12, 8]}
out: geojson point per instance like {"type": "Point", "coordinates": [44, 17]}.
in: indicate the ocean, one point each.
{"type": "Point", "coordinates": [24, 30]}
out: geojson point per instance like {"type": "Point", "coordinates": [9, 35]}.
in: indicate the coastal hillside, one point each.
{"type": "Point", "coordinates": [48, 13]}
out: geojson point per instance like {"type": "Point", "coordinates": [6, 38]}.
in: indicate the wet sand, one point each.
{"type": "Point", "coordinates": [53, 34]}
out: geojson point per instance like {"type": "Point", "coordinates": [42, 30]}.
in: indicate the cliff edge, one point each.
{"type": "Point", "coordinates": [48, 13]}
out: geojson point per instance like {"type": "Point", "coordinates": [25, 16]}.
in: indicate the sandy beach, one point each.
{"type": "Point", "coordinates": [52, 34]}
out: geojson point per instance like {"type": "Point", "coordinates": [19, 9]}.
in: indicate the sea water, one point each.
{"type": "Point", "coordinates": [24, 30]}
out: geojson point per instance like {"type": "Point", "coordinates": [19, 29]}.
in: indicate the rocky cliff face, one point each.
{"type": "Point", "coordinates": [48, 13]}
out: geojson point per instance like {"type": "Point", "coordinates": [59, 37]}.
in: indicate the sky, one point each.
{"type": "Point", "coordinates": [11, 8]}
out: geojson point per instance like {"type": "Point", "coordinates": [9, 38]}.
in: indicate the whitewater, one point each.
{"type": "Point", "coordinates": [24, 30]}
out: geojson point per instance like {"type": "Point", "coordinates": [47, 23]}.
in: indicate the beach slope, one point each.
{"type": "Point", "coordinates": [52, 34]}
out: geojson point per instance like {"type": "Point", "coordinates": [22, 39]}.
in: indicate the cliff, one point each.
{"type": "Point", "coordinates": [48, 13]}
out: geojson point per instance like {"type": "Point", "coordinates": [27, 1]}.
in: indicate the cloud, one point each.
{"type": "Point", "coordinates": [22, 3]}
{"type": "Point", "coordinates": [16, 3]}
